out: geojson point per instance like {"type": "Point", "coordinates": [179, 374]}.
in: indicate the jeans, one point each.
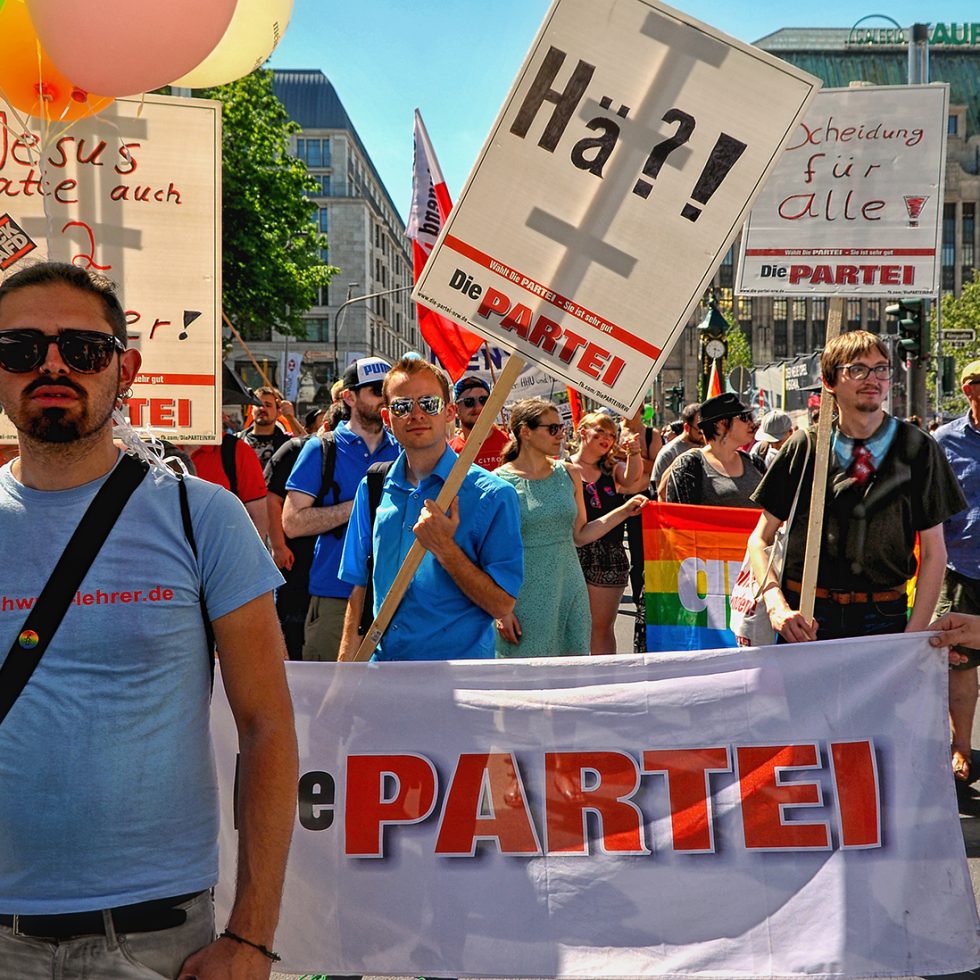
{"type": "Point", "coordinates": [836, 620]}
{"type": "Point", "coordinates": [134, 956]}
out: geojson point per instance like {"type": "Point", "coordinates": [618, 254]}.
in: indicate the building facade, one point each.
{"type": "Point", "coordinates": [783, 328]}
{"type": "Point", "coordinates": [365, 240]}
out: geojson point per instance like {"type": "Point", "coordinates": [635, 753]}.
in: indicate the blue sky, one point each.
{"type": "Point", "coordinates": [455, 60]}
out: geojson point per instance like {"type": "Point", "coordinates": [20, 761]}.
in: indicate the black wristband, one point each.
{"type": "Point", "coordinates": [264, 950]}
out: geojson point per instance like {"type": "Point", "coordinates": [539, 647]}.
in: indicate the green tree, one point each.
{"type": "Point", "coordinates": [272, 264]}
{"type": "Point", "coordinates": [958, 313]}
{"type": "Point", "coordinates": [739, 348]}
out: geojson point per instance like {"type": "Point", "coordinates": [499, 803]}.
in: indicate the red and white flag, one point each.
{"type": "Point", "coordinates": [714, 381]}
{"type": "Point", "coordinates": [451, 343]}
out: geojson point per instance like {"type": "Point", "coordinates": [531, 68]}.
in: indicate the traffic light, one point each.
{"type": "Point", "coordinates": [913, 329]}
{"type": "Point", "coordinates": [675, 398]}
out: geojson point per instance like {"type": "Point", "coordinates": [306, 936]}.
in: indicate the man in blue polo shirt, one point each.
{"type": "Point", "coordinates": [475, 563]}
{"type": "Point", "coordinates": [312, 508]}
{"type": "Point", "coordinates": [960, 441]}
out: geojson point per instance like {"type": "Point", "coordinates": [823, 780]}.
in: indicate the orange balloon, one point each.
{"type": "Point", "coordinates": [28, 79]}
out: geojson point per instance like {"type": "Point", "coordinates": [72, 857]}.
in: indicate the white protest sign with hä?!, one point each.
{"type": "Point", "coordinates": [618, 172]}
{"type": "Point", "coordinates": [855, 205]}
{"type": "Point", "coordinates": [133, 194]}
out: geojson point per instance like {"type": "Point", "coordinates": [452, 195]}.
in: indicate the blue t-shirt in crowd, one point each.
{"type": "Point", "coordinates": [352, 462]}
{"type": "Point", "coordinates": [960, 441]}
{"type": "Point", "coordinates": [108, 793]}
{"type": "Point", "coordinates": [435, 620]}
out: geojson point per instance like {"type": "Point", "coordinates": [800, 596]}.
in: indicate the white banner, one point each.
{"type": "Point", "coordinates": [134, 194]}
{"type": "Point", "coordinates": [855, 205]}
{"type": "Point", "coordinates": [620, 169]}
{"type": "Point", "coordinates": [783, 812]}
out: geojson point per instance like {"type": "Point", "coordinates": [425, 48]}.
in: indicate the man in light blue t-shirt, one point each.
{"type": "Point", "coordinates": [474, 567]}
{"type": "Point", "coordinates": [108, 797]}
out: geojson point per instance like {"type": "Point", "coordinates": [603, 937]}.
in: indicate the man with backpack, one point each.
{"type": "Point", "coordinates": [320, 494]}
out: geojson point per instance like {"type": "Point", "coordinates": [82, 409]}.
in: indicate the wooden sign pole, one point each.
{"type": "Point", "coordinates": [821, 466]}
{"type": "Point", "coordinates": [454, 481]}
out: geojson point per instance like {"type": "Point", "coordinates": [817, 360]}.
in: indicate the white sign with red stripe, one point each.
{"type": "Point", "coordinates": [786, 811]}
{"type": "Point", "coordinates": [135, 195]}
{"type": "Point", "coordinates": [618, 172]}
{"type": "Point", "coordinates": [855, 206]}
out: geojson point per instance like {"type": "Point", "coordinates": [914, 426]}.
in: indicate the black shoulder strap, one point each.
{"type": "Point", "coordinates": [328, 455]}
{"type": "Point", "coordinates": [49, 610]}
{"type": "Point", "coordinates": [229, 446]}
{"type": "Point", "coordinates": [185, 514]}
{"type": "Point", "coordinates": [375, 482]}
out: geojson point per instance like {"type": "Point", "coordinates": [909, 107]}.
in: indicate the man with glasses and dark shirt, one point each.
{"type": "Point", "coordinates": [471, 395]}
{"type": "Point", "coordinates": [312, 508]}
{"type": "Point", "coordinates": [887, 482]}
{"type": "Point", "coordinates": [475, 565]}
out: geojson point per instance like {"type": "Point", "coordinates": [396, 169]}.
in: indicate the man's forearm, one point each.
{"type": "Point", "coordinates": [929, 582]}
{"type": "Point", "coordinates": [351, 639]}
{"type": "Point", "coordinates": [473, 582]}
{"type": "Point", "coordinates": [301, 523]}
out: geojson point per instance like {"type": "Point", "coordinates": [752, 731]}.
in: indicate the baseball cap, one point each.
{"type": "Point", "coordinates": [724, 406]}
{"type": "Point", "coordinates": [365, 371]}
{"type": "Point", "coordinates": [472, 381]}
{"type": "Point", "coordinates": [774, 426]}
{"type": "Point", "coordinates": [970, 373]}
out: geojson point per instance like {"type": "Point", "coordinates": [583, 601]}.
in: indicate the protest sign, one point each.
{"type": "Point", "coordinates": [617, 173]}
{"type": "Point", "coordinates": [778, 812]}
{"type": "Point", "coordinates": [855, 204]}
{"type": "Point", "coordinates": [133, 194]}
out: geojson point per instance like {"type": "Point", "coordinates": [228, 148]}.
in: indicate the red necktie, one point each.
{"type": "Point", "coordinates": [862, 464]}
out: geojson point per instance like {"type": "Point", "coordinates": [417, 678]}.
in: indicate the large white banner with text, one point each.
{"type": "Point", "coordinates": [620, 169]}
{"type": "Point", "coordinates": [133, 194]}
{"type": "Point", "coordinates": [782, 812]}
{"type": "Point", "coordinates": [855, 205]}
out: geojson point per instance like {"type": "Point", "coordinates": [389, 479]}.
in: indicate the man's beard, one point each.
{"type": "Point", "coordinates": [58, 426]}
{"type": "Point", "coordinates": [370, 419]}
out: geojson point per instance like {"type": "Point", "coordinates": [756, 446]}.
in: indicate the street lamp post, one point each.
{"type": "Point", "coordinates": [358, 299]}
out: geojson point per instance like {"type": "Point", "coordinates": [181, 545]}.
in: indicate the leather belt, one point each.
{"type": "Point", "coordinates": [152, 916]}
{"type": "Point", "coordinates": [851, 598]}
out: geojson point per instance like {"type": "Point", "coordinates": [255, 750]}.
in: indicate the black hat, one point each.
{"type": "Point", "coordinates": [723, 406]}
{"type": "Point", "coordinates": [364, 372]}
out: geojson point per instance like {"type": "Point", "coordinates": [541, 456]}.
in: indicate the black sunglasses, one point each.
{"type": "Point", "coordinates": [469, 401]}
{"type": "Point", "coordinates": [377, 387]}
{"type": "Point", "coordinates": [553, 427]}
{"type": "Point", "coordinates": [84, 351]}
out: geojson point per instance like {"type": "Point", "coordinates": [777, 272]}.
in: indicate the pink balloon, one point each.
{"type": "Point", "coordinates": [123, 47]}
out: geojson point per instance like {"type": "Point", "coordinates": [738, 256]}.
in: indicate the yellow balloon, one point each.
{"type": "Point", "coordinates": [255, 29]}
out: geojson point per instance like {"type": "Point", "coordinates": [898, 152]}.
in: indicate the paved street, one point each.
{"type": "Point", "coordinates": [969, 802]}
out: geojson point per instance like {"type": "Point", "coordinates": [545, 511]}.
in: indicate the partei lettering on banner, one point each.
{"type": "Point", "coordinates": [133, 194]}
{"type": "Point", "coordinates": [618, 171]}
{"type": "Point", "coordinates": [855, 204]}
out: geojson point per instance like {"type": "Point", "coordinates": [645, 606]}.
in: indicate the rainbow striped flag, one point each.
{"type": "Point", "coordinates": [691, 560]}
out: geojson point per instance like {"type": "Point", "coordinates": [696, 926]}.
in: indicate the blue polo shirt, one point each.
{"type": "Point", "coordinates": [960, 441]}
{"type": "Point", "coordinates": [435, 620]}
{"type": "Point", "coordinates": [352, 462]}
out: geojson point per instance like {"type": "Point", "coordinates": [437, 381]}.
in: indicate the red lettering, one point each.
{"type": "Point", "coordinates": [858, 799]}
{"type": "Point", "coordinates": [183, 412]}
{"type": "Point", "coordinates": [846, 275]}
{"type": "Point", "coordinates": [572, 343]}
{"type": "Point", "coordinates": [493, 301]}
{"type": "Point", "coordinates": [383, 790]}
{"type": "Point", "coordinates": [908, 275]}
{"type": "Point", "coordinates": [518, 320]}
{"type": "Point", "coordinates": [162, 412]}
{"type": "Point", "coordinates": [593, 361]}
{"type": "Point", "coordinates": [486, 801]}
{"type": "Point", "coordinates": [822, 273]}
{"type": "Point", "coordinates": [797, 273]}
{"type": "Point", "coordinates": [613, 372]}
{"type": "Point", "coordinates": [891, 275]}
{"type": "Point", "coordinates": [615, 778]}
{"type": "Point", "coordinates": [765, 797]}
{"type": "Point", "coordinates": [545, 334]}
{"type": "Point", "coordinates": [136, 406]}
{"type": "Point", "coordinates": [687, 792]}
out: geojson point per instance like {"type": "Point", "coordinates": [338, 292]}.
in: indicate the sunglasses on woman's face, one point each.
{"type": "Point", "coordinates": [553, 427]}
{"type": "Point", "coordinates": [430, 404]}
{"type": "Point", "coordinates": [84, 351]}
{"type": "Point", "coordinates": [745, 417]}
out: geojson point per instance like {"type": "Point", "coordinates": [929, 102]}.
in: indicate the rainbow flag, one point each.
{"type": "Point", "coordinates": [691, 560]}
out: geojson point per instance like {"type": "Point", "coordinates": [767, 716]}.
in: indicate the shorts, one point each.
{"type": "Point", "coordinates": [960, 594]}
{"type": "Point", "coordinates": [604, 563]}
{"type": "Point", "coordinates": [324, 628]}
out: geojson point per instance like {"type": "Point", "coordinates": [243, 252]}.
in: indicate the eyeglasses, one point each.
{"type": "Point", "coordinates": [84, 351]}
{"type": "Point", "coordinates": [858, 372]}
{"type": "Point", "coordinates": [430, 404]}
{"type": "Point", "coordinates": [375, 387]}
{"type": "Point", "coordinates": [553, 427]}
{"type": "Point", "coordinates": [469, 401]}
{"type": "Point", "coordinates": [745, 417]}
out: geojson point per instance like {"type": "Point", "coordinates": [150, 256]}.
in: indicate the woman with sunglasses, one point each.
{"type": "Point", "coordinates": [607, 469]}
{"type": "Point", "coordinates": [720, 473]}
{"type": "Point", "coordinates": [551, 618]}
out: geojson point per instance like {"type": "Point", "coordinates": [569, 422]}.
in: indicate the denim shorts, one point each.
{"type": "Point", "coordinates": [131, 956]}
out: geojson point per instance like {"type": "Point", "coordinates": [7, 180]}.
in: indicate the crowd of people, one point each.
{"type": "Point", "coordinates": [529, 560]}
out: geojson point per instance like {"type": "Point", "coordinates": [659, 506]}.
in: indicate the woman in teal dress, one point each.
{"type": "Point", "coordinates": [551, 617]}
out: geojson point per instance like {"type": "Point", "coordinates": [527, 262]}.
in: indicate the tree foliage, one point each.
{"type": "Point", "coordinates": [272, 265]}
{"type": "Point", "coordinates": [739, 348]}
{"type": "Point", "coordinates": [958, 313]}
